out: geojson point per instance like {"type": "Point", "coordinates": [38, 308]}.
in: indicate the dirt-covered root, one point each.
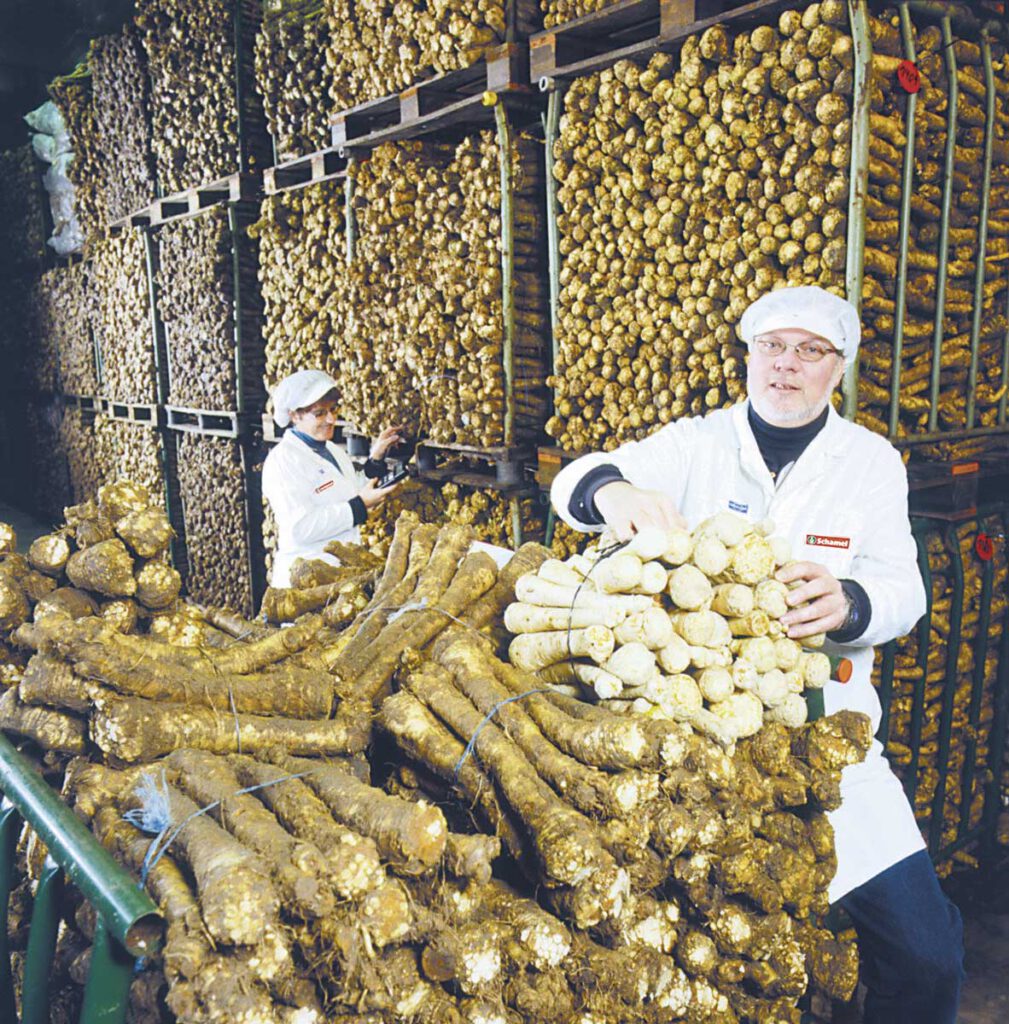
{"type": "Point", "coordinates": [427, 740]}
{"type": "Point", "coordinates": [288, 604]}
{"type": "Point", "coordinates": [51, 730]}
{"type": "Point", "coordinates": [105, 568]}
{"type": "Point", "coordinates": [204, 984]}
{"type": "Point", "coordinates": [607, 741]}
{"type": "Point", "coordinates": [424, 617]}
{"type": "Point", "coordinates": [471, 856]}
{"type": "Point", "coordinates": [133, 729]}
{"type": "Point", "coordinates": [566, 844]}
{"type": "Point", "coordinates": [238, 902]}
{"type": "Point", "coordinates": [53, 682]}
{"type": "Point", "coordinates": [537, 938]}
{"type": "Point", "coordinates": [410, 836]}
{"type": "Point", "coordinates": [353, 865]}
{"type": "Point", "coordinates": [297, 866]}
{"type": "Point", "coordinates": [489, 609]}
{"type": "Point", "coordinates": [468, 956]}
{"type": "Point", "coordinates": [259, 652]}
{"type": "Point", "coordinates": [590, 790]}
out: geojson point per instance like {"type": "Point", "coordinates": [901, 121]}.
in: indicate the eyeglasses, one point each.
{"type": "Point", "coordinates": [807, 351]}
{"type": "Point", "coordinates": [322, 413]}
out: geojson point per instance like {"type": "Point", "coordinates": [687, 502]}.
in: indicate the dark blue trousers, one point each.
{"type": "Point", "coordinates": [910, 941]}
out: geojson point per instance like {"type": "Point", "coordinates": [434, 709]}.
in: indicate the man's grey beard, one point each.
{"type": "Point", "coordinates": [806, 414]}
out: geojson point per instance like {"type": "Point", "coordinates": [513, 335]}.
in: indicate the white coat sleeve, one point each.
{"type": "Point", "coordinates": [290, 497]}
{"type": "Point", "coordinates": [660, 462]}
{"type": "Point", "coordinates": [886, 564]}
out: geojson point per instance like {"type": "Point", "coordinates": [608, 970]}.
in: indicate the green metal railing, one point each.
{"type": "Point", "coordinates": [128, 923]}
{"type": "Point", "coordinates": [975, 732]}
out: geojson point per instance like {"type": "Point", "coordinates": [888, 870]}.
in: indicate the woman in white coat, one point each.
{"type": "Point", "coordinates": [314, 489]}
{"type": "Point", "coordinates": [838, 493]}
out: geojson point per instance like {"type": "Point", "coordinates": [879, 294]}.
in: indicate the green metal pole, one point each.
{"type": "Point", "coordinates": [889, 658]}
{"type": "Point", "coordinates": [133, 919]}
{"type": "Point", "coordinates": [348, 209]}
{"type": "Point", "coordinates": [997, 744]}
{"type": "Point", "coordinates": [935, 829]}
{"type": "Point", "coordinates": [858, 15]}
{"type": "Point", "coordinates": [919, 528]}
{"type": "Point", "coordinates": [548, 535]}
{"type": "Point", "coordinates": [982, 235]}
{"type": "Point", "coordinates": [235, 228]}
{"type": "Point", "coordinates": [977, 693]}
{"type": "Point", "coordinates": [242, 127]}
{"type": "Point", "coordinates": [10, 823]}
{"type": "Point", "coordinates": [947, 200]}
{"type": "Point", "coordinates": [41, 946]}
{"type": "Point", "coordinates": [152, 264]}
{"type": "Point", "coordinates": [507, 268]}
{"type": "Point", "coordinates": [107, 991]}
{"type": "Point", "coordinates": [1004, 384]}
{"type": "Point", "coordinates": [555, 103]}
{"type": "Point", "coordinates": [907, 185]}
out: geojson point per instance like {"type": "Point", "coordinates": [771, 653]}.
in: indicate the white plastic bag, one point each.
{"type": "Point", "coordinates": [50, 147]}
{"type": "Point", "coordinates": [68, 239]}
{"type": "Point", "coordinates": [46, 119]}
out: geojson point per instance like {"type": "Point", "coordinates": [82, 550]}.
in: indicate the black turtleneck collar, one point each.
{"type": "Point", "coordinates": [781, 446]}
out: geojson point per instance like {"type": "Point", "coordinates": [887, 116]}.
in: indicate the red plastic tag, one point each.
{"type": "Point", "coordinates": [985, 547]}
{"type": "Point", "coordinates": [907, 75]}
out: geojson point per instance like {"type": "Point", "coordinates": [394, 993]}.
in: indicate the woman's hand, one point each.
{"type": "Point", "coordinates": [372, 495]}
{"type": "Point", "coordinates": [626, 509]}
{"type": "Point", "coordinates": [385, 441]}
{"type": "Point", "coordinates": [827, 606]}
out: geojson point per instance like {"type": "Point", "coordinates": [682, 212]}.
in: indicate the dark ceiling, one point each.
{"type": "Point", "coordinates": [40, 39]}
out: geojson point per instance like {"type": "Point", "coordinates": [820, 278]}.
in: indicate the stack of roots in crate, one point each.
{"type": "Point", "coordinates": [294, 79]}
{"type": "Point", "coordinates": [196, 58]}
{"type": "Point", "coordinates": [125, 450]}
{"type": "Point", "coordinates": [69, 314]}
{"type": "Point", "coordinates": [375, 49]}
{"type": "Point", "coordinates": [121, 90]}
{"type": "Point", "coordinates": [557, 12]}
{"type": "Point", "coordinates": [42, 341]}
{"type": "Point", "coordinates": [212, 487]}
{"type": "Point", "coordinates": [888, 126]}
{"type": "Point", "coordinates": [689, 187]}
{"type": "Point", "coordinates": [196, 304]}
{"type": "Point", "coordinates": [652, 874]}
{"type": "Point", "coordinates": [123, 319]}
{"type": "Point", "coordinates": [87, 171]}
{"type": "Point", "coordinates": [22, 216]}
{"type": "Point", "coordinates": [487, 511]}
{"type": "Point", "coordinates": [421, 323]}
{"type": "Point", "coordinates": [927, 669]}
{"type": "Point", "coordinates": [302, 265]}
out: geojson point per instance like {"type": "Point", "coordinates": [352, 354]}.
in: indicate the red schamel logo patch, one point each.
{"type": "Point", "coordinates": [819, 540]}
{"type": "Point", "coordinates": [324, 487]}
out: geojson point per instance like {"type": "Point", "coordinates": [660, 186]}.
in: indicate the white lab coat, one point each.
{"type": "Point", "coordinates": [848, 484]}
{"type": "Point", "coordinates": [310, 499]}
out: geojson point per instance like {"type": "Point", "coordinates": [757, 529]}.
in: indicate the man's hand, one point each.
{"type": "Point", "coordinates": [385, 441]}
{"type": "Point", "coordinates": [626, 509]}
{"type": "Point", "coordinates": [827, 608]}
{"type": "Point", "coordinates": [372, 495]}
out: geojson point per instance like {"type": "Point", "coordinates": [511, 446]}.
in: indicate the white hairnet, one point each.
{"type": "Point", "coordinates": [298, 391]}
{"type": "Point", "coordinates": [810, 308]}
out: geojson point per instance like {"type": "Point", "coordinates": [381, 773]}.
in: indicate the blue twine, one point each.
{"type": "Point", "coordinates": [154, 815]}
{"type": "Point", "coordinates": [490, 714]}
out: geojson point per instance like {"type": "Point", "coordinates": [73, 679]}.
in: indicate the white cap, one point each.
{"type": "Point", "coordinates": [807, 307]}
{"type": "Point", "coordinates": [298, 391]}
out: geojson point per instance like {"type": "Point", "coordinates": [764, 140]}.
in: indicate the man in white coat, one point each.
{"type": "Point", "coordinates": [311, 484]}
{"type": "Point", "coordinates": [838, 493]}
